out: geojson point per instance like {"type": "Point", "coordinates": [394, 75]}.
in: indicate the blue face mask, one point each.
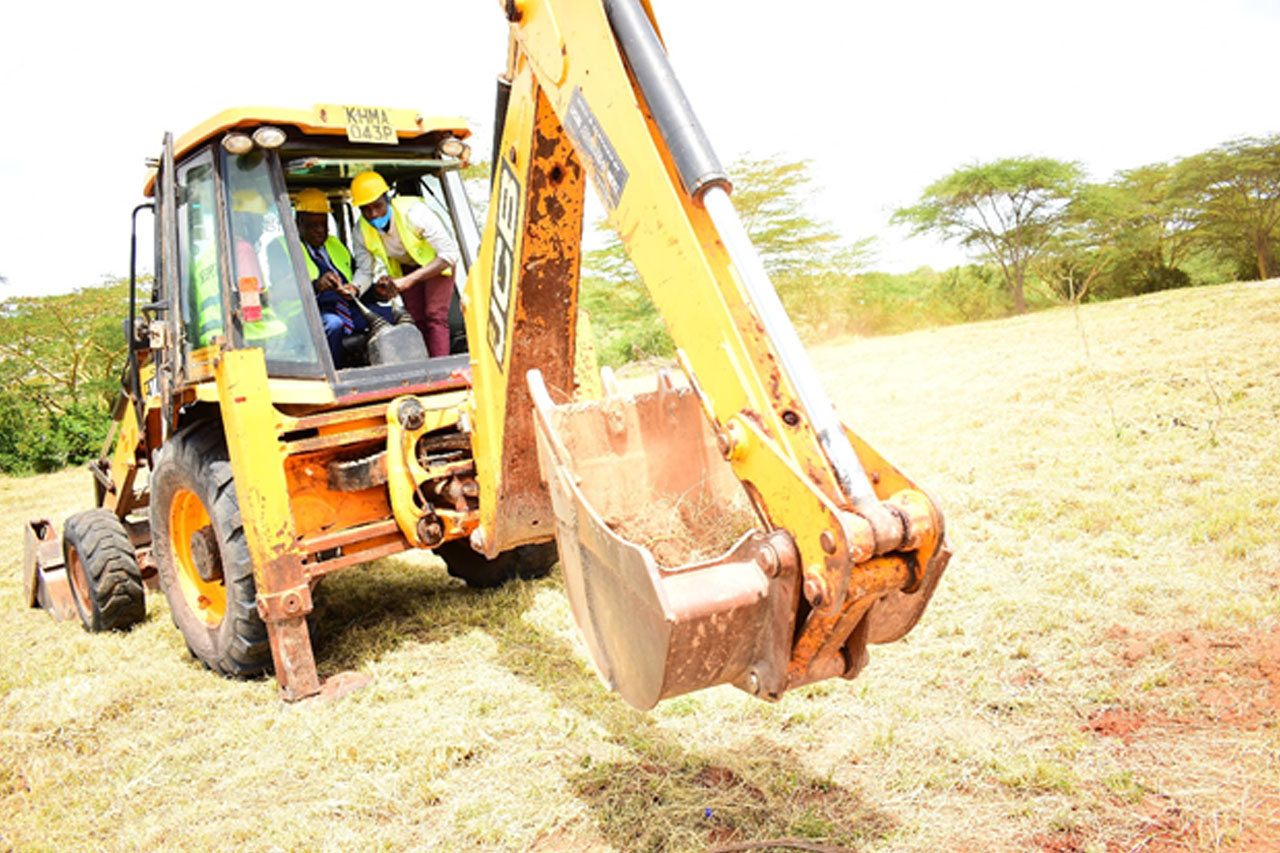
{"type": "Point", "coordinates": [381, 222]}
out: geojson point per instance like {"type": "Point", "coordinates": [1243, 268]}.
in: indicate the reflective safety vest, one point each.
{"type": "Point", "coordinates": [338, 255]}
{"type": "Point", "coordinates": [208, 297]}
{"type": "Point", "coordinates": [208, 301]}
{"type": "Point", "coordinates": [417, 247]}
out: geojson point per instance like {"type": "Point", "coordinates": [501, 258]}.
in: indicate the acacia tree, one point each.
{"type": "Point", "coordinates": [60, 362]}
{"type": "Point", "coordinates": [1008, 210]}
{"type": "Point", "coordinates": [1155, 219]}
{"type": "Point", "coordinates": [1237, 186]}
{"type": "Point", "coordinates": [772, 197]}
{"type": "Point", "coordinates": [1082, 250]}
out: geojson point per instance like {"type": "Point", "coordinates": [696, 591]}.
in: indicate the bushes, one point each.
{"type": "Point", "coordinates": [60, 362]}
{"type": "Point", "coordinates": [39, 441]}
{"type": "Point", "coordinates": [822, 305]}
{"type": "Point", "coordinates": [625, 322]}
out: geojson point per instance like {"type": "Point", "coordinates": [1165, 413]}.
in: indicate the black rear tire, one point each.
{"type": "Point", "coordinates": [527, 562]}
{"type": "Point", "coordinates": [199, 544]}
{"type": "Point", "coordinates": [102, 568]}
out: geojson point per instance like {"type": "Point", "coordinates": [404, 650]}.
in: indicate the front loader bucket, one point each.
{"type": "Point", "coordinates": [44, 575]}
{"type": "Point", "coordinates": [701, 597]}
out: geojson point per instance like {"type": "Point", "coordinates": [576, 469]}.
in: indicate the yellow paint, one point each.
{"type": "Point", "coordinates": [252, 426]}
{"type": "Point", "coordinates": [406, 476]}
{"type": "Point", "coordinates": [320, 120]}
{"type": "Point", "coordinates": [487, 411]}
{"type": "Point", "coordinates": [206, 599]}
{"type": "Point", "coordinates": [314, 392]}
{"type": "Point", "coordinates": [124, 458]}
{"type": "Point", "coordinates": [684, 266]}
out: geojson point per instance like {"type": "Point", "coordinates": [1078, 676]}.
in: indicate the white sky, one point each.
{"type": "Point", "coordinates": [884, 97]}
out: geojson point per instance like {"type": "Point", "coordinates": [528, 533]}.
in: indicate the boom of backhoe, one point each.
{"type": "Point", "coordinates": [847, 550]}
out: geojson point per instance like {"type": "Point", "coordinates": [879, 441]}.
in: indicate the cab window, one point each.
{"type": "Point", "coordinates": [271, 312]}
{"type": "Point", "coordinates": [198, 253]}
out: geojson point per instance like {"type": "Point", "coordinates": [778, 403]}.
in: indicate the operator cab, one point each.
{"type": "Point", "coordinates": [239, 254]}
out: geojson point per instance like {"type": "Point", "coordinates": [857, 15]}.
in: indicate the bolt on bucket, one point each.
{"type": "Point", "coordinates": [670, 579]}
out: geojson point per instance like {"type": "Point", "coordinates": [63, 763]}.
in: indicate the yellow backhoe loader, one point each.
{"type": "Point", "coordinates": [722, 528]}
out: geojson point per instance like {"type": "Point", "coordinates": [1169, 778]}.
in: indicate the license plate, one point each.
{"type": "Point", "coordinates": [369, 124]}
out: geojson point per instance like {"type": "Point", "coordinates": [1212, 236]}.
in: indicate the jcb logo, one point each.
{"type": "Point", "coordinates": [504, 262]}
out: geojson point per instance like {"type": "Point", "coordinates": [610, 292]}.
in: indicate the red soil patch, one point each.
{"type": "Point", "coordinates": [1170, 830]}
{"type": "Point", "coordinates": [1236, 679]}
{"type": "Point", "coordinates": [1116, 722]}
{"type": "Point", "coordinates": [1058, 844]}
{"type": "Point", "coordinates": [1237, 673]}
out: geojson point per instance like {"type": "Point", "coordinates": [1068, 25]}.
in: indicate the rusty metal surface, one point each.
{"type": "Point", "coordinates": [750, 617]}
{"type": "Point", "coordinates": [285, 604]}
{"type": "Point", "coordinates": [294, 663]}
{"type": "Point", "coordinates": [335, 440]}
{"type": "Point", "coordinates": [543, 324]}
{"type": "Point", "coordinates": [40, 548]}
{"type": "Point", "coordinates": [656, 632]}
{"type": "Point", "coordinates": [44, 575]}
{"type": "Point", "coordinates": [355, 558]}
{"type": "Point", "coordinates": [356, 475]}
{"type": "Point", "coordinates": [822, 650]}
{"type": "Point", "coordinates": [350, 535]}
{"type": "Point", "coordinates": [897, 613]}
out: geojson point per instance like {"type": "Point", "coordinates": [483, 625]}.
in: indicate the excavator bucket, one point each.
{"type": "Point", "coordinates": [671, 580]}
{"type": "Point", "coordinates": [44, 573]}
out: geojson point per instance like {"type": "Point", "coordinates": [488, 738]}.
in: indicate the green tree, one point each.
{"type": "Point", "coordinates": [1157, 225]}
{"type": "Point", "coordinates": [1082, 248]}
{"type": "Point", "coordinates": [772, 197]}
{"type": "Point", "coordinates": [805, 257]}
{"type": "Point", "coordinates": [61, 359]}
{"type": "Point", "coordinates": [1008, 210]}
{"type": "Point", "coordinates": [1237, 186]}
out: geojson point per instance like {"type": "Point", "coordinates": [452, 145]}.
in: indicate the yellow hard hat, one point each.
{"type": "Point", "coordinates": [248, 201]}
{"type": "Point", "coordinates": [312, 200]}
{"type": "Point", "coordinates": [366, 187]}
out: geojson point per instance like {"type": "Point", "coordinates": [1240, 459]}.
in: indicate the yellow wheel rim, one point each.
{"type": "Point", "coordinates": [206, 599]}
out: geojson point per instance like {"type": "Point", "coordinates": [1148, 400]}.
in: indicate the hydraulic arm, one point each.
{"type": "Point", "coordinates": [848, 551]}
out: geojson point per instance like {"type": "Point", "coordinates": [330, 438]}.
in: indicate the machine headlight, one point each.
{"type": "Point", "coordinates": [269, 137]}
{"type": "Point", "coordinates": [237, 143]}
{"type": "Point", "coordinates": [454, 147]}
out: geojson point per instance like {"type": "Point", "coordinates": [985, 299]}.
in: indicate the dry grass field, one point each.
{"type": "Point", "coordinates": [1099, 670]}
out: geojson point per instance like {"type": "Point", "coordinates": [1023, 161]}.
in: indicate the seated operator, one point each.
{"type": "Point", "coordinates": [329, 266]}
{"type": "Point", "coordinates": [260, 323]}
{"type": "Point", "coordinates": [408, 249]}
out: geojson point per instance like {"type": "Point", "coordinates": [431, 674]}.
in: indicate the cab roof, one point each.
{"type": "Point", "coordinates": [318, 121]}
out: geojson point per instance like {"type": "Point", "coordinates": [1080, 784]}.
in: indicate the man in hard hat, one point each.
{"type": "Point", "coordinates": [329, 267]}
{"type": "Point", "coordinates": [248, 208]}
{"type": "Point", "coordinates": [403, 248]}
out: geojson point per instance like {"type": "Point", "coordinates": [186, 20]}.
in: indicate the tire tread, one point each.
{"type": "Point", "coordinates": [117, 600]}
{"type": "Point", "coordinates": [199, 454]}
